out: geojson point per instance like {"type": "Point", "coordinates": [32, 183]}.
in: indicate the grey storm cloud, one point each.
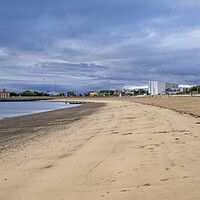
{"type": "Point", "coordinates": [84, 44]}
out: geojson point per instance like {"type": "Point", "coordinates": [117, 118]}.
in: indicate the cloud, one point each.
{"type": "Point", "coordinates": [187, 40]}
{"type": "Point", "coordinates": [83, 44]}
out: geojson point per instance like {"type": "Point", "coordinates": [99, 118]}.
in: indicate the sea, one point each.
{"type": "Point", "coordinates": [13, 109]}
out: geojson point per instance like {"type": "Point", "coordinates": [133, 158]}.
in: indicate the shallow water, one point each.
{"type": "Point", "coordinates": [13, 109]}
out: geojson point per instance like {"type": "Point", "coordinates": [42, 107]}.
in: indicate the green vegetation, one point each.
{"type": "Point", "coordinates": [86, 94]}
{"type": "Point", "coordinates": [62, 94]}
{"type": "Point", "coordinates": [13, 94]}
{"type": "Point", "coordinates": [139, 92]}
{"type": "Point", "coordinates": [195, 89]}
{"type": "Point", "coordinates": [32, 93]}
{"type": "Point", "coordinates": [108, 92]}
{"type": "Point", "coordinates": [192, 90]}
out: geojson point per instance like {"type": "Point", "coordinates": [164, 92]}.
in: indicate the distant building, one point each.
{"type": "Point", "coordinates": [124, 92]}
{"type": "Point", "coordinates": [119, 93]}
{"type": "Point", "coordinates": [94, 94]}
{"type": "Point", "coordinates": [128, 92]}
{"type": "Point", "coordinates": [88, 93]}
{"type": "Point", "coordinates": [52, 93]}
{"type": "Point", "coordinates": [4, 94]}
{"type": "Point", "coordinates": [101, 94]}
{"type": "Point", "coordinates": [158, 87]}
{"type": "Point", "coordinates": [174, 90]}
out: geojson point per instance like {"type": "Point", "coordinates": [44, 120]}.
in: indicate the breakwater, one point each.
{"type": "Point", "coordinates": [76, 102]}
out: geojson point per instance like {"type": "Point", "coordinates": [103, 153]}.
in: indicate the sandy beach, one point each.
{"type": "Point", "coordinates": [114, 150]}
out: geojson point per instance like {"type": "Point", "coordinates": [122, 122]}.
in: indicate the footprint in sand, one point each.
{"type": "Point", "coordinates": [127, 133]}
{"type": "Point", "coordinates": [65, 155]}
{"type": "Point", "coordinates": [46, 167]}
{"type": "Point", "coordinates": [164, 179]}
{"type": "Point", "coordinates": [112, 181]}
{"type": "Point", "coordinates": [124, 190]}
{"type": "Point", "coordinates": [115, 132]}
{"type": "Point", "coordinates": [147, 184]}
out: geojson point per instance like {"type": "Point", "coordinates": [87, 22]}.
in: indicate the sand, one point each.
{"type": "Point", "coordinates": [184, 104]}
{"type": "Point", "coordinates": [122, 150]}
{"type": "Point", "coordinates": [16, 131]}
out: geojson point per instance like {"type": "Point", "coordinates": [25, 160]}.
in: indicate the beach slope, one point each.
{"type": "Point", "coordinates": [123, 150]}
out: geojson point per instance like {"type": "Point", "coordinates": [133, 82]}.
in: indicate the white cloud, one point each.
{"type": "Point", "coordinates": [133, 87]}
{"type": "Point", "coordinates": [185, 86]}
{"type": "Point", "coordinates": [151, 35]}
{"type": "Point", "coordinates": [3, 52]}
{"type": "Point", "coordinates": [187, 40]}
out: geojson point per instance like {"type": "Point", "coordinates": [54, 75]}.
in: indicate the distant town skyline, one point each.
{"type": "Point", "coordinates": [97, 44]}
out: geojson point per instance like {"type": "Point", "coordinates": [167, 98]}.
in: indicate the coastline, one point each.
{"type": "Point", "coordinates": [122, 150]}
{"type": "Point", "coordinates": [188, 105]}
{"type": "Point", "coordinates": [14, 130]}
{"type": "Point", "coordinates": [37, 98]}
{"type": "Point", "coordinates": [28, 107]}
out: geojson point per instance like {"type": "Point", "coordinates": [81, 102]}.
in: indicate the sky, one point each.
{"type": "Point", "coordinates": [87, 45]}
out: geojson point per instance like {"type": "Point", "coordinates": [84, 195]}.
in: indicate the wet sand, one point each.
{"type": "Point", "coordinates": [18, 130]}
{"type": "Point", "coordinates": [123, 150]}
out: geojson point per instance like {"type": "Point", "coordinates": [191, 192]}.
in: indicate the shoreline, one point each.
{"type": "Point", "coordinates": [37, 98]}
{"type": "Point", "coordinates": [35, 112]}
{"type": "Point", "coordinates": [14, 128]}
{"type": "Point", "coordinates": [121, 150]}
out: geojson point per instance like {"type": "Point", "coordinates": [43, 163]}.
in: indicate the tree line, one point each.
{"type": "Point", "coordinates": [32, 93]}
